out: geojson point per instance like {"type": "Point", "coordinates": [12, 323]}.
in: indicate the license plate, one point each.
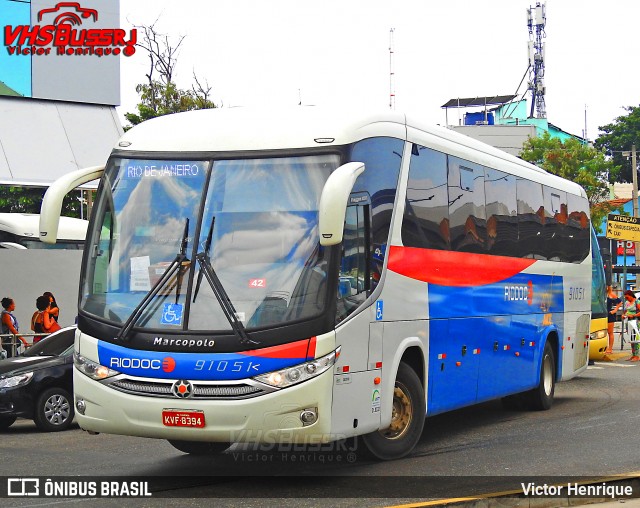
{"type": "Point", "coordinates": [178, 418]}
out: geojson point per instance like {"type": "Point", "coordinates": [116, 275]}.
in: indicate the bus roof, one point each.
{"type": "Point", "coordinates": [28, 225]}
{"type": "Point", "coordinates": [253, 129]}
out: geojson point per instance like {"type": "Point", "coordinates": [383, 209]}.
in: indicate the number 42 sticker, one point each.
{"type": "Point", "coordinates": [257, 283]}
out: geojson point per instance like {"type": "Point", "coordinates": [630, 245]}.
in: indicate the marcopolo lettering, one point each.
{"type": "Point", "coordinates": [160, 341]}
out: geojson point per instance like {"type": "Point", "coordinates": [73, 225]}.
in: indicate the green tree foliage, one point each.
{"type": "Point", "coordinates": [161, 96]}
{"type": "Point", "coordinates": [582, 164]}
{"type": "Point", "coordinates": [158, 99]}
{"type": "Point", "coordinates": [619, 136]}
{"type": "Point", "coordinates": [29, 200]}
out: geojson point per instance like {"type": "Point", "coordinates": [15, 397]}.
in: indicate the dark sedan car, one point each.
{"type": "Point", "coordinates": [39, 383]}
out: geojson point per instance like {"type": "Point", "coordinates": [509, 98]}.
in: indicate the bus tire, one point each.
{"type": "Point", "coordinates": [541, 397]}
{"type": "Point", "coordinates": [54, 410]}
{"type": "Point", "coordinates": [407, 421]}
{"type": "Point", "coordinates": [199, 447]}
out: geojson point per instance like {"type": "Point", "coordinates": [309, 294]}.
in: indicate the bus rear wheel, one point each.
{"type": "Point", "coordinates": [199, 447]}
{"type": "Point", "coordinates": [407, 419]}
{"type": "Point", "coordinates": [541, 397]}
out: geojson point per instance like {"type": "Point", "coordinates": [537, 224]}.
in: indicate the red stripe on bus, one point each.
{"type": "Point", "coordinates": [311, 351]}
{"type": "Point", "coordinates": [458, 269]}
{"type": "Point", "coordinates": [296, 349]}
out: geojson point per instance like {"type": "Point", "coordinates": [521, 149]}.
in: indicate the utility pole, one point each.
{"type": "Point", "coordinates": [634, 179]}
{"type": "Point", "coordinates": [392, 90]}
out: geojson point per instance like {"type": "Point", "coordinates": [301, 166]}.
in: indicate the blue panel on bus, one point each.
{"type": "Point", "coordinates": [453, 366]}
{"type": "Point", "coordinates": [197, 366]}
{"type": "Point", "coordinates": [485, 341]}
{"type": "Point", "coordinates": [520, 294]}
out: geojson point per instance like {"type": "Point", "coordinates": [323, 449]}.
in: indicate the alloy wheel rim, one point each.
{"type": "Point", "coordinates": [57, 409]}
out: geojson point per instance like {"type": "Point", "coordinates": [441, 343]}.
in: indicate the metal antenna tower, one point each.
{"type": "Point", "coordinates": [392, 91]}
{"type": "Point", "coordinates": [536, 20]}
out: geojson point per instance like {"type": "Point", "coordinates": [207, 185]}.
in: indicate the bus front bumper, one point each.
{"type": "Point", "coordinates": [275, 417]}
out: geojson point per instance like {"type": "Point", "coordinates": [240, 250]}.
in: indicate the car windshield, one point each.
{"type": "Point", "coordinates": [259, 231]}
{"type": "Point", "coordinates": [53, 345]}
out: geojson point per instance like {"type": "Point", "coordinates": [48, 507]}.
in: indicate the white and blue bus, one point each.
{"type": "Point", "coordinates": [21, 231]}
{"type": "Point", "coordinates": [309, 275]}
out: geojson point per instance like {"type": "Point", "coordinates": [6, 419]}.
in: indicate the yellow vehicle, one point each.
{"type": "Point", "coordinates": [599, 338]}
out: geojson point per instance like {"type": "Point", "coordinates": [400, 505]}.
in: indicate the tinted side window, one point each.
{"type": "Point", "coordinates": [530, 219]}
{"type": "Point", "coordinates": [598, 285]}
{"type": "Point", "coordinates": [426, 216]}
{"type": "Point", "coordinates": [354, 264]}
{"type": "Point", "coordinates": [555, 234]}
{"type": "Point", "coordinates": [502, 213]}
{"type": "Point", "coordinates": [382, 158]}
{"type": "Point", "coordinates": [578, 226]}
{"type": "Point", "coordinates": [467, 219]}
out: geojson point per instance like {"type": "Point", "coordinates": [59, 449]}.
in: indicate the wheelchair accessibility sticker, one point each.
{"type": "Point", "coordinates": [379, 310]}
{"type": "Point", "coordinates": [172, 314]}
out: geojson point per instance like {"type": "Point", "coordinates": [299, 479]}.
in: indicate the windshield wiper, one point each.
{"type": "Point", "coordinates": [174, 267]}
{"type": "Point", "coordinates": [221, 295]}
{"type": "Point", "coordinates": [207, 248]}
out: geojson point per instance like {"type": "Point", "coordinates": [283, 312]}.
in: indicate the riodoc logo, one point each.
{"type": "Point", "coordinates": [519, 293]}
{"type": "Point", "coordinates": [167, 364]}
{"type": "Point", "coordinates": [57, 32]}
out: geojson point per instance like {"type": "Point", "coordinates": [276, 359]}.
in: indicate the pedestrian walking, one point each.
{"type": "Point", "coordinates": [631, 313]}
{"type": "Point", "coordinates": [613, 304]}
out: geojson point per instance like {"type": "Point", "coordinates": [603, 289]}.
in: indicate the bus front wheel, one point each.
{"type": "Point", "coordinates": [199, 447]}
{"type": "Point", "coordinates": [407, 418]}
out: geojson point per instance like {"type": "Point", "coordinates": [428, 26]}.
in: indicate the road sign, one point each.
{"type": "Point", "coordinates": [622, 227]}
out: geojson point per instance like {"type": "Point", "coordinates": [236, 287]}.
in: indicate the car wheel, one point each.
{"type": "Point", "coordinates": [6, 422]}
{"type": "Point", "coordinates": [54, 410]}
{"type": "Point", "coordinates": [199, 447]}
{"type": "Point", "coordinates": [407, 420]}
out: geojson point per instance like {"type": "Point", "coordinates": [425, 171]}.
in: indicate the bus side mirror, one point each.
{"type": "Point", "coordinates": [334, 200]}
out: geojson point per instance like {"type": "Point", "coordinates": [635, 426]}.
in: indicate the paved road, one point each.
{"type": "Point", "coordinates": [591, 431]}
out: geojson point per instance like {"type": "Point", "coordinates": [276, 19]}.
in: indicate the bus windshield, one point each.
{"type": "Point", "coordinates": [598, 284]}
{"type": "Point", "coordinates": [256, 220]}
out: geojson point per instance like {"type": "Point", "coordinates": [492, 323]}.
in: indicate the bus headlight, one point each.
{"type": "Point", "coordinates": [299, 373]}
{"type": "Point", "coordinates": [92, 369]}
{"type": "Point", "coordinates": [600, 334]}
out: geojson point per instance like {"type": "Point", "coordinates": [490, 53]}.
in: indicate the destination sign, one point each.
{"type": "Point", "coordinates": [622, 227]}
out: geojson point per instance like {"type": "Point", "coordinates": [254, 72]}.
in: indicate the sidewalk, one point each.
{"type": "Point", "coordinates": [618, 352]}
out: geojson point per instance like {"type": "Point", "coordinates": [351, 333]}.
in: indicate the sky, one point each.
{"type": "Point", "coordinates": [335, 52]}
